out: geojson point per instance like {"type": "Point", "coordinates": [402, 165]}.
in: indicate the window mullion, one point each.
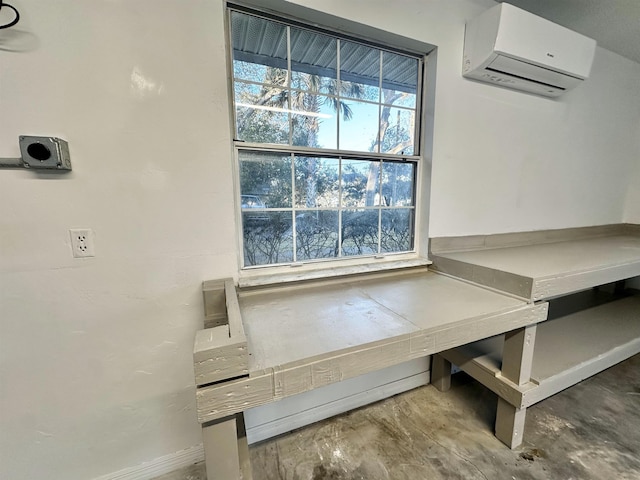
{"type": "Point", "coordinates": [380, 100]}
{"type": "Point", "coordinates": [340, 208]}
{"type": "Point", "coordinates": [337, 92]}
{"type": "Point", "coordinates": [380, 207]}
{"type": "Point", "coordinates": [417, 123]}
{"type": "Point", "coordinates": [380, 151]}
{"type": "Point", "coordinates": [242, 145]}
{"type": "Point", "coordinates": [294, 228]}
{"type": "Point", "coordinates": [288, 86]}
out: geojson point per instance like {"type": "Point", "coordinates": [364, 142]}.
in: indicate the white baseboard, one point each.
{"type": "Point", "coordinates": [159, 466]}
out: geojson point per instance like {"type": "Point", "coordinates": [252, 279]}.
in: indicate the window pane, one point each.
{"type": "Point", "coordinates": [398, 134]}
{"type": "Point", "coordinates": [397, 184]}
{"type": "Point", "coordinates": [260, 73]}
{"type": "Point", "coordinates": [249, 93]}
{"type": "Point", "coordinates": [261, 113]}
{"type": "Point", "coordinates": [317, 129]}
{"type": "Point", "coordinates": [313, 61]}
{"type": "Point", "coordinates": [358, 126]}
{"type": "Point", "coordinates": [359, 71]}
{"type": "Point", "coordinates": [262, 126]}
{"type": "Point", "coordinates": [317, 182]}
{"type": "Point", "coordinates": [396, 232]}
{"type": "Point", "coordinates": [259, 49]}
{"type": "Point", "coordinates": [316, 234]}
{"type": "Point", "coordinates": [265, 180]}
{"type": "Point", "coordinates": [360, 183]}
{"type": "Point", "coordinates": [360, 232]}
{"type": "Point", "coordinates": [399, 79]}
{"type": "Point", "coordinates": [267, 237]}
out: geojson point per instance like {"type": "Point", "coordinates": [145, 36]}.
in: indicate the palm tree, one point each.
{"type": "Point", "coordinates": [309, 97]}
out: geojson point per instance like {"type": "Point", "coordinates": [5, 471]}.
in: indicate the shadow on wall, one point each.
{"type": "Point", "coordinates": [18, 41]}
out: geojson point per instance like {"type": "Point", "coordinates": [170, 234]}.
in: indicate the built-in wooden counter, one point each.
{"type": "Point", "coordinates": [304, 336]}
{"type": "Point", "coordinates": [544, 264]}
{"type": "Point", "coordinates": [526, 366]}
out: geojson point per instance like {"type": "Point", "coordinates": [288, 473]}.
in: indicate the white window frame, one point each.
{"type": "Point", "coordinates": [328, 267]}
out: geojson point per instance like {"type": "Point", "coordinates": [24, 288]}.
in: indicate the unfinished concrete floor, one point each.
{"type": "Point", "coordinates": [589, 431]}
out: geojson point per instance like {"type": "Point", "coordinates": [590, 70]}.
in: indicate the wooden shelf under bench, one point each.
{"type": "Point", "coordinates": [567, 350]}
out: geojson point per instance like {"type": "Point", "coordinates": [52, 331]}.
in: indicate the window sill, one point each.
{"type": "Point", "coordinates": [315, 272]}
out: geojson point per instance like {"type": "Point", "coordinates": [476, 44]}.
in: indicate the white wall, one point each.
{"type": "Point", "coordinates": [506, 161]}
{"type": "Point", "coordinates": [95, 354]}
{"type": "Point", "coordinates": [533, 163]}
{"type": "Point", "coordinates": [632, 207]}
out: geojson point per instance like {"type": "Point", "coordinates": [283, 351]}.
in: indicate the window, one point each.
{"type": "Point", "coordinates": [325, 138]}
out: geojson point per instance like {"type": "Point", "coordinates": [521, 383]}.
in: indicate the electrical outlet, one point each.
{"type": "Point", "coordinates": [82, 242]}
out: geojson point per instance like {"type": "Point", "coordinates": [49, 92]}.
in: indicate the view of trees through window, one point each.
{"type": "Point", "coordinates": [305, 104]}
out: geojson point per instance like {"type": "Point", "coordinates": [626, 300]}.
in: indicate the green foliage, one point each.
{"type": "Point", "coordinates": [354, 183]}
{"type": "Point", "coordinates": [396, 234]}
{"type": "Point", "coordinates": [267, 241]}
{"type": "Point", "coordinates": [268, 176]}
{"type": "Point", "coordinates": [324, 174]}
{"type": "Point", "coordinates": [265, 127]}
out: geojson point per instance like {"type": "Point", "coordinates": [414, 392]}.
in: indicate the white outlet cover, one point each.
{"type": "Point", "coordinates": [82, 242]}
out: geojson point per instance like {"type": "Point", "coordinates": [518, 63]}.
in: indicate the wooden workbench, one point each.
{"type": "Point", "coordinates": [545, 359]}
{"type": "Point", "coordinates": [269, 343]}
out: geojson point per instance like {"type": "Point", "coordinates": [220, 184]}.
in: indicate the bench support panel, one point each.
{"type": "Point", "coordinates": [440, 372]}
{"type": "Point", "coordinates": [226, 459]}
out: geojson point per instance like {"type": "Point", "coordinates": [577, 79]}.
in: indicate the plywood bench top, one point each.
{"type": "Point", "coordinates": [287, 324]}
{"type": "Point", "coordinates": [543, 270]}
{"type": "Point", "coordinates": [310, 335]}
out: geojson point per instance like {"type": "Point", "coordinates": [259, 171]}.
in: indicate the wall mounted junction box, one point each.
{"type": "Point", "coordinates": [48, 153]}
{"type": "Point", "coordinates": [45, 152]}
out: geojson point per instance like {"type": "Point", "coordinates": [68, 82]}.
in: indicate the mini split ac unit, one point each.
{"type": "Point", "coordinates": [513, 48]}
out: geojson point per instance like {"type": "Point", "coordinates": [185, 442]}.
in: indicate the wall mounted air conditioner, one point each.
{"type": "Point", "coordinates": [513, 48]}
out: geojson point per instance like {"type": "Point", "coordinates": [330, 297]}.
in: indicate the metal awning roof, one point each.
{"type": "Point", "coordinates": [262, 41]}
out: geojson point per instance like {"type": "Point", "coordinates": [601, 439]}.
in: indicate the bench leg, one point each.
{"type": "Point", "coordinates": [517, 355]}
{"type": "Point", "coordinates": [243, 449]}
{"type": "Point", "coordinates": [517, 360]}
{"type": "Point", "coordinates": [226, 450]}
{"type": "Point", "coordinates": [510, 423]}
{"type": "Point", "coordinates": [440, 372]}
